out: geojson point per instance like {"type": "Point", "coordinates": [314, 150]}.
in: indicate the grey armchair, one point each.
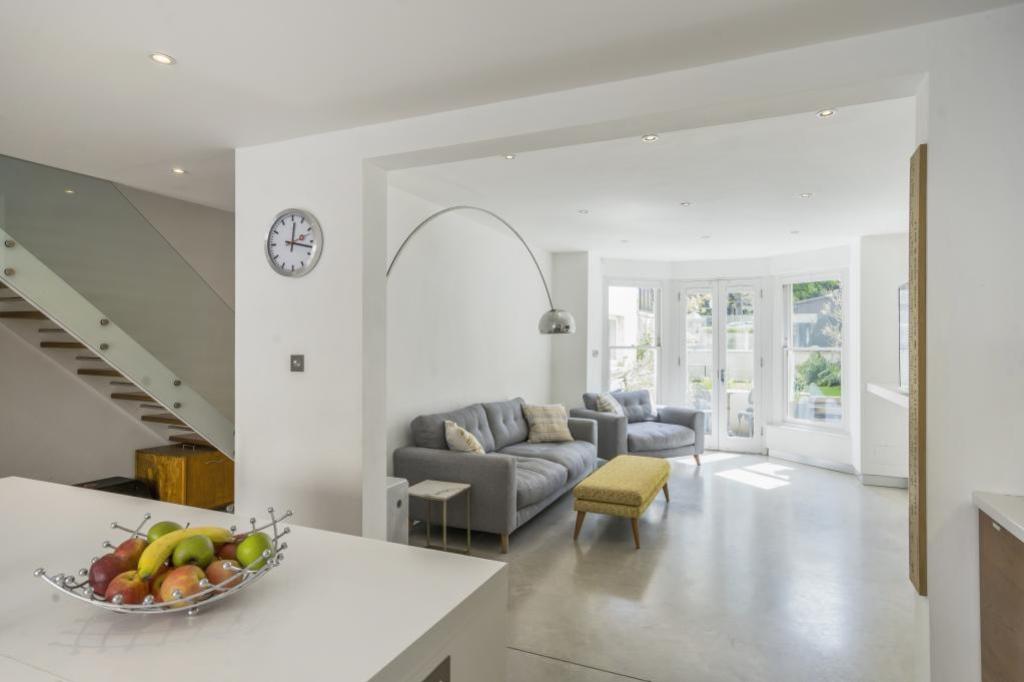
{"type": "Point", "coordinates": [669, 432]}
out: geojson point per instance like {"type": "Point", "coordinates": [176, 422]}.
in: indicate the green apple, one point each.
{"type": "Point", "coordinates": [161, 528]}
{"type": "Point", "coordinates": [250, 551]}
{"type": "Point", "coordinates": [197, 549]}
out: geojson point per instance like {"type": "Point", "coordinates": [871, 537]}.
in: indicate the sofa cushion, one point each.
{"type": "Point", "coordinates": [536, 479]}
{"type": "Point", "coordinates": [548, 423]}
{"type": "Point", "coordinates": [654, 436]}
{"type": "Point", "coordinates": [428, 429]}
{"type": "Point", "coordinates": [606, 402]}
{"type": "Point", "coordinates": [460, 439]}
{"type": "Point", "coordinates": [508, 425]}
{"type": "Point", "coordinates": [575, 456]}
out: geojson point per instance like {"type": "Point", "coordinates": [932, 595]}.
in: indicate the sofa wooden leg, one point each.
{"type": "Point", "coordinates": [697, 458]}
{"type": "Point", "coordinates": [665, 490]}
{"type": "Point", "coordinates": [580, 515]}
{"type": "Point", "coordinates": [636, 531]}
{"type": "Point", "coordinates": [504, 543]}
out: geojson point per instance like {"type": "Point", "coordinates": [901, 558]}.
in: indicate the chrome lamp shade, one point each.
{"type": "Point", "coordinates": [554, 321]}
{"type": "Point", "coordinates": [557, 321]}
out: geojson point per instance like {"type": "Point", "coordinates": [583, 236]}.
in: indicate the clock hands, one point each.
{"type": "Point", "coordinates": [292, 242]}
{"type": "Point", "coordinates": [295, 243]}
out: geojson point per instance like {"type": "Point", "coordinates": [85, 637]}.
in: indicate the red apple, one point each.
{"type": "Point", "coordinates": [157, 580]}
{"type": "Point", "coordinates": [130, 586]}
{"type": "Point", "coordinates": [105, 569]}
{"type": "Point", "coordinates": [184, 580]}
{"type": "Point", "coordinates": [218, 573]}
{"type": "Point", "coordinates": [228, 551]}
{"type": "Point", "coordinates": [130, 550]}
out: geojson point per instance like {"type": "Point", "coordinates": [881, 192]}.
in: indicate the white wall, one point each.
{"type": "Point", "coordinates": [570, 357]}
{"type": "Point", "coordinates": [204, 236]}
{"type": "Point", "coordinates": [883, 432]}
{"type": "Point", "coordinates": [330, 468]}
{"type": "Point", "coordinates": [53, 427]}
{"type": "Point", "coordinates": [975, 330]}
{"type": "Point", "coordinates": [463, 305]}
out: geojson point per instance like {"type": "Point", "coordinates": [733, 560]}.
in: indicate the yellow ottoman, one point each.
{"type": "Point", "coordinates": [625, 486]}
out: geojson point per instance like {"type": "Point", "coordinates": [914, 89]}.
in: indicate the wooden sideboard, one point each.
{"type": "Point", "coordinates": [1001, 561]}
{"type": "Point", "coordinates": [198, 477]}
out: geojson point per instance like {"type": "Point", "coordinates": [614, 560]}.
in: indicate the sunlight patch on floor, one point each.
{"type": "Point", "coordinates": [752, 478]}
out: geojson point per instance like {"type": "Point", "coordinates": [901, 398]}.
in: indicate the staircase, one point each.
{"type": "Point", "coordinates": [35, 327]}
{"type": "Point", "coordinates": [88, 280]}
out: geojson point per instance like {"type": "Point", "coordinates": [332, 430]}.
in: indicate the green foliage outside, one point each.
{"type": "Point", "coordinates": [819, 371]}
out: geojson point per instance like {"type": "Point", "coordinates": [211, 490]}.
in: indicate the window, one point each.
{"type": "Point", "coordinates": [634, 338]}
{"type": "Point", "coordinates": [813, 351]}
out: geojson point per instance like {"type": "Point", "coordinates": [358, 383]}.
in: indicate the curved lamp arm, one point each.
{"type": "Point", "coordinates": [554, 321]}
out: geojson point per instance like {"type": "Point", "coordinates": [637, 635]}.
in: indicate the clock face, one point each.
{"type": "Point", "coordinates": [294, 243]}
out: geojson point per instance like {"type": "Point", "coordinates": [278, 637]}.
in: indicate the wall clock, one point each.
{"type": "Point", "coordinates": [294, 242]}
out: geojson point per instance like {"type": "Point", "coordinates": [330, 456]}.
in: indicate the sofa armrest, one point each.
{"type": "Point", "coordinates": [492, 477]}
{"type": "Point", "coordinates": [583, 429]}
{"type": "Point", "coordinates": [685, 416]}
{"type": "Point", "coordinates": [611, 431]}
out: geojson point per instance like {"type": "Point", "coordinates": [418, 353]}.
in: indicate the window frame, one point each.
{"type": "Point", "coordinates": [785, 292]}
{"type": "Point", "coordinates": [659, 322]}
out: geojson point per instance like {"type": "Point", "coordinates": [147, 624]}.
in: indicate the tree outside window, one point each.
{"type": "Point", "coordinates": [814, 352]}
{"type": "Point", "coordinates": [633, 338]}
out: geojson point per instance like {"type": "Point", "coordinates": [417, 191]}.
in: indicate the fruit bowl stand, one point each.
{"type": "Point", "coordinates": [77, 585]}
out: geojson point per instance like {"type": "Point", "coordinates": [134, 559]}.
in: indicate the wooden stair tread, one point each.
{"type": "Point", "coordinates": [10, 299]}
{"type": "Point", "coordinates": [178, 450]}
{"type": "Point", "coordinates": [191, 439]}
{"type": "Point", "coordinates": [137, 397]}
{"type": "Point", "coordinates": [163, 418]}
{"type": "Point", "coordinates": [87, 357]}
{"type": "Point", "coordinates": [51, 330]}
{"type": "Point", "coordinates": [61, 344]}
{"type": "Point", "coordinates": [99, 372]}
{"type": "Point", "coordinates": [22, 315]}
{"type": "Point", "coordinates": [121, 383]}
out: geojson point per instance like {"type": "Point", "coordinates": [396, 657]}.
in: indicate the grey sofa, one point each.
{"type": "Point", "coordinates": [513, 482]}
{"type": "Point", "coordinates": [667, 432]}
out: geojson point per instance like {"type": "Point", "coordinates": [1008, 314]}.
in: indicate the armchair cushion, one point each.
{"type": "Point", "coordinates": [654, 436]}
{"type": "Point", "coordinates": [636, 404]}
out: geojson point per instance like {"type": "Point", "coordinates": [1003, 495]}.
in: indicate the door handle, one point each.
{"type": "Point", "coordinates": [721, 375]}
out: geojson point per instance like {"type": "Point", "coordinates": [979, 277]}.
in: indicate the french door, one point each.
{"type": "Point", "coordinates": [722, 361]}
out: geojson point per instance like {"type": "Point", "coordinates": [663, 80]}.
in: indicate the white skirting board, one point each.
{"type": "Point", "coordinates": [819, 462]}
{"type": "Point", "coordinates": [843, 468]}
{"type": "Point", "coordinates": [883, 481]}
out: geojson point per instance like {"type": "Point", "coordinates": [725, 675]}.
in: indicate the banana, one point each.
{"type": "Point", "coordinates": [156, 554]}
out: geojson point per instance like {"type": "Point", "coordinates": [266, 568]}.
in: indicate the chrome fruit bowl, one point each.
{"type": "Point", "coordinates": [77, 584]}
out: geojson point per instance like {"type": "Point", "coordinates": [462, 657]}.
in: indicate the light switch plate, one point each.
{"type": "Point", "coordinates": [298, 363]}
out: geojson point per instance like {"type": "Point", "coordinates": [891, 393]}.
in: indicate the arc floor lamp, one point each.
{"type": "Point", "coordinates": [554, 321]}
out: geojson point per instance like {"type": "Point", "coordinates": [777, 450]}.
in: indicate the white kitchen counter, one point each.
{"type": "Point", "coordinates": [1006, 510]}
{"type": "Point", "coordinates": [340, 607]}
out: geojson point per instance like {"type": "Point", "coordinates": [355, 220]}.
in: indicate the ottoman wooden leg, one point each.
{"type": "Point", "coordinates": [636, 531]}
{"type": "Point", "coordinates": [665, 490]}
{"type": "Point", "coordinates": [580, 515]}
{"type": "Point", "coordinates": [504, 543]}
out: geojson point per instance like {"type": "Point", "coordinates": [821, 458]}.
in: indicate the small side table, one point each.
{"type": "Point", "coordinates": [442, 491]}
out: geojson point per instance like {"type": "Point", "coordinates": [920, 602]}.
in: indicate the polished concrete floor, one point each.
{"type": "Point", "coordinates": [758, 569]}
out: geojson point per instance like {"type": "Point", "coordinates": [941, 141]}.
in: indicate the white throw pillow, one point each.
{"type": "Point", "coordinates": [548, 423]}
{"type": "Point", "coordinates": [460, 439]}
{"type": "Point", "coordinates": [606, 402]}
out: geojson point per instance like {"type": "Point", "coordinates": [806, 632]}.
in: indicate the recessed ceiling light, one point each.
{"type": "Point", "coordinates": [705, 236]}
{"type": "Point", "coordinates": [623, 241]}
{"type": "Point", "coordinates": [806, 195]}
{"type": "Point", "coordinates": [68, 190]}
{"type": "Point", "coordinates": [684, 203]}
{"type": "Point", "coordinates": [162, 59]}
{"type": "Point", "coordinates": [510, 156]}
{"type": "Point", "coordinates": [794, 231]}
{"type": "Point", "coordinates": [649, 137]}
{"type": "Point", "coordinates": [583, 211]}
{"type": "Point", "coordinates": [826, 113]}
{"type": "Point", "coordinates": [178, 171]}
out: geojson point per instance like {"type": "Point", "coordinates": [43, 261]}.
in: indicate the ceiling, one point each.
{"type": "Point", "coordinates": [79, 91]}
{"type": "Point", "coordinates": [743, 183]}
